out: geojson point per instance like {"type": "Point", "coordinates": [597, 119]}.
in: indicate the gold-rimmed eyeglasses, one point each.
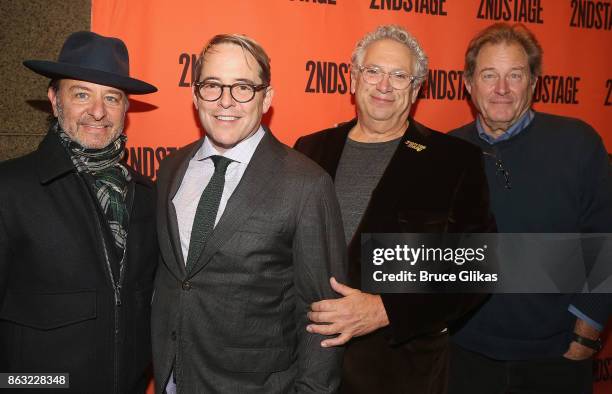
{"type": "Point", "coordinates": [397, 79]}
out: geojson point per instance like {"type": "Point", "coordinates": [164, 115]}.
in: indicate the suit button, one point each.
{"type": "Point", "coordinates": [173, 335]}
{"type": "Point", "coordinates": [186, 285]}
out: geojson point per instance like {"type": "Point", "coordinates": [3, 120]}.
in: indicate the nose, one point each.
{"type": "Point", "coordinates": [226, 100]}
{"type": "Point", "coordinates": [97, 110]}
{"type": "Point", "coordinates": [384, 86]}
{"type": "Point", "coordinates": [501, 86]}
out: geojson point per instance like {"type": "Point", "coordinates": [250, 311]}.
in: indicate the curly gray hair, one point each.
{"type": "Point", "coordinates": [395, 33]}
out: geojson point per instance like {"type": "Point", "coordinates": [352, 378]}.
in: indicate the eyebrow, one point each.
{"type": "Point", "coordinates": [238, 80]}
{"type": "Point", "coordinates": [81, 87]}
{"type": "Point", "coordinates": [110, 90]}
{"type": "Point", "coordinates": [115, 91]}
{"type": "Point", "coordinates": [396, 70]}
{"type": "Point", "coordinates": [494, 69]}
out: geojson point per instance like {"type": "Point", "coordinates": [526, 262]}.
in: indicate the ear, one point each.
{"type": "Point", "coordinates": [194, 97]}
{"type": "Point", "coordinates": [353, 83]}
{"type": "Point", "coordinates": [52, 95]}
{"type": "Point", "coordinates": [415, 92]}
{"type": "Point", "coordinates": [468, 85]}
{"type": "Point", "coordinates": [267, 101]}
{"type": "Point", "coordinates": [534, 84]}
{"type": "Point", "coordinates": [127, 104]}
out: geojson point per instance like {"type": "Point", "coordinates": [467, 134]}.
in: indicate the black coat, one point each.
{"type": "Point", "coordinates": [441, 188]}
{"type": "Point", "coordinates": [57, 304]}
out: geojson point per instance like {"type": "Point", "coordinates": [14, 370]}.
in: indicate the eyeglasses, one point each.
{"type": "Point", "coordinates": [397, 79]}
{"type": "Point", "coordinates": [500, 170]}
{"type": "Point", "coordinates": [240, 92]}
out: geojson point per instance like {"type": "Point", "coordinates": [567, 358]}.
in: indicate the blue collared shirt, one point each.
{"type": "Point", "coordinates": [516, 128]}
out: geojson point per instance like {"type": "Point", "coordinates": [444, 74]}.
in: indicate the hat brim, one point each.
{"type": "Point", "coordinates": [56, 70]}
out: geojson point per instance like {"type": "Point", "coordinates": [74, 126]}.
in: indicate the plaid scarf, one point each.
{"type": "Point", "coordinates": [110, 180]}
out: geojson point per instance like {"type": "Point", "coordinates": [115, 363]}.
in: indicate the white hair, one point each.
{"type": "Point", "coordinates": [395, 33]}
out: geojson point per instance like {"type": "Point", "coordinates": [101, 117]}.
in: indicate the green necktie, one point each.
{"type": "Point", "coordinates": [206, 213]}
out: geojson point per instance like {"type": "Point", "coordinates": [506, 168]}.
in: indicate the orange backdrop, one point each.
{"type": "Point", "coordinates": [310, 42]}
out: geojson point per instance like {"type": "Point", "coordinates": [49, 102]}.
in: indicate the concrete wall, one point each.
{"type": "Point", "coordinates": [31, 29]}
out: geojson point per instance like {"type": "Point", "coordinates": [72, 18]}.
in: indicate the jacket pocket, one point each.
{"type": "Point", "coordinates": [47, 311]}
{"type": "Point", "coordinates": [51, 332]}
{"type": "Point", "coordinates": [257, 360]}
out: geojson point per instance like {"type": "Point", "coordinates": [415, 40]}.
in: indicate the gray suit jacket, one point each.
{"type": "Point", "coordinates": [235, 323]}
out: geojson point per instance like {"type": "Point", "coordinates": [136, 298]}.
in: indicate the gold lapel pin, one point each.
{"type": "Point", "coordinates": [415, 146]}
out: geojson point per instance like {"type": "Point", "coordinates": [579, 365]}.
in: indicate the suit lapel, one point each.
{"type": "Point", "coordinates": [176, 178]}
{"type": "Point", "coordinates": [53, 160]}
{"type": "Point", "coordinates": [329, 156]}
{"type": "Point", "coordinates": [260, 176]}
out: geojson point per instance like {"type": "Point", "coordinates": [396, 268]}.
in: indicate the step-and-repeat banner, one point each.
{"type": "Point", "coordinates": [310, 43]}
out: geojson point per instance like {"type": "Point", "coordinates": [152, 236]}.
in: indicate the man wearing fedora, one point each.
{"type": "Point", "coordinates": [77, 232]}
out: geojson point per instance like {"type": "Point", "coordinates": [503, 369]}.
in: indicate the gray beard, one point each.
{"type": "Point", "coordinates": [71, 134]}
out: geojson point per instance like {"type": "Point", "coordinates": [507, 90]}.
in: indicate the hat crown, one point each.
{"type": "Point", "coordinates": [87, 56]}
{"type": "Point", "coordinates": [93, 51]}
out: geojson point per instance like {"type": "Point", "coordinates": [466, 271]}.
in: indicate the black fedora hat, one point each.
{"type": "Point", "coordinates": [90, 57]}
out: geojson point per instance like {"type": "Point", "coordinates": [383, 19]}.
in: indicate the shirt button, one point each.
{"type": "Point", "coordinates": [186, 285]}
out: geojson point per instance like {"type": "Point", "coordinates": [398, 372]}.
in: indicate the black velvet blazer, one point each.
{"type": "Point", "coordinates": [433, 183]}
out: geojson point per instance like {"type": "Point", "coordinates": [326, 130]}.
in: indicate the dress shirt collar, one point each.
{"type": "Point", "coordinates": [241, 153]}
{"type": "Point", "coordinates": [513, 130]}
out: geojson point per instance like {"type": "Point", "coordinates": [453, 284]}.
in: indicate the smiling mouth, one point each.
{"type": "Point", "coordinates": [226, 117]}
{"type": "Point", "coordinates": [381, 99]}
{"type": "Point", "coordinates": [95, 126]}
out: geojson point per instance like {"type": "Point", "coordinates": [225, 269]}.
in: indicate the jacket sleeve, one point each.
{"type": "Point", "coordinates": [319, 252]}
{"type": "Point", "coordinates": [411, 315]}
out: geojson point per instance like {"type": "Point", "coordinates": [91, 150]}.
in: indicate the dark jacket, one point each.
{"type": "Point", "coordinates": [58, 309]}
{"type": "Point", "coordinates": [441, 188]}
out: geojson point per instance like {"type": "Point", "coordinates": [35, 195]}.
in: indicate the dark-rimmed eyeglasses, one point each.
{"type": "Point", "coordinates": [500, 170]}
{"type": "Point", "coordinates": [399, 80]}
{"type": "Point", "coordinates": [241, 92]}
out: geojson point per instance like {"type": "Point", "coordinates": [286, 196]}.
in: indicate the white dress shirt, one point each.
{"type": "Point", "coordinates": [199, 173]}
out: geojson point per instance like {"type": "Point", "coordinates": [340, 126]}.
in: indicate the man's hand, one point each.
{"type": "Point", "coordinates": [355, 314]}
{"type": "Point", "coordinates": [577, 351]}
